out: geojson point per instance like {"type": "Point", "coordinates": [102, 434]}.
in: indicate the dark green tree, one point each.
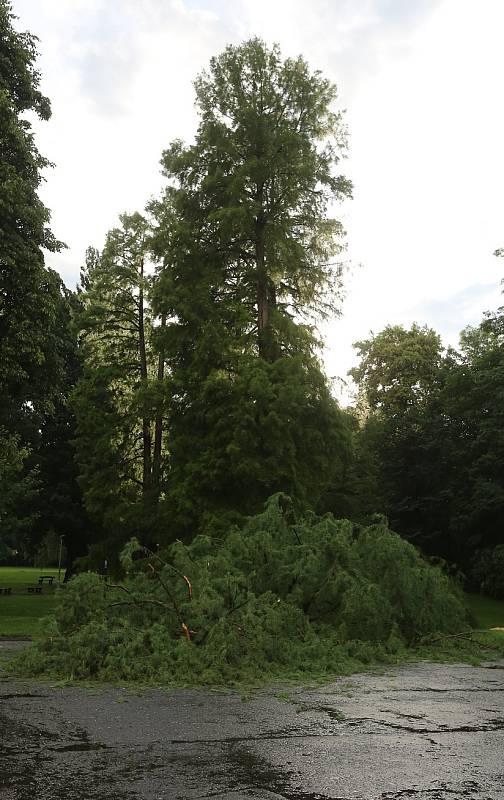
{"type": "Point", "coordinates": [117, 400]}
{"type": "Point", "coordinates": [473, 399]}
{"type": "Point", "coordinates": [431, 441]}
{"type": "Point", "coordinates": [35, 343]}
{"type": "Point", "coordinates": [248, 258]}
{"type": "Point", "coordinates": [402, 460]}
{"type": "Point", "coordinates": [29, 293]}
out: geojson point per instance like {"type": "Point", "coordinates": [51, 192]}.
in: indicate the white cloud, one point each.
{"type": "Point", "coordinates": [422, 85]}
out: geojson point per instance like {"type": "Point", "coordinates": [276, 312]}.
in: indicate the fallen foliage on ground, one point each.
{"type": "Point", "coordinates": [284, 596]}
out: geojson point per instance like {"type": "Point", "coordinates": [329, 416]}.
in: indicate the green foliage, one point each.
{"type": "Point", "coordinates": [474, 399]}
{"type": "Point", "coordinates": [430, 443]}
{"type": "Point", "coordinates": [248, 433]}
{"type": "Point", "coordinates": [27, 290]}
{"type": "Point", "coordinates": [247, 259]}
{"type": "Point", "coordinates": [17, 491]}
{"type": "Point", "coordinates": [37, 348]}
{"type": "Point", "coordinates": [117, 400]}
{"type": "Point", "coordinates": [284, 595]}
{"type": "Point", "coordinates": [398, 368]}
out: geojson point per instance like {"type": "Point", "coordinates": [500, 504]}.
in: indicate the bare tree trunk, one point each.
{"type": "Point", "coordinates": [146, 424]}
{"type": "Point", "coordinates": [158, 424]}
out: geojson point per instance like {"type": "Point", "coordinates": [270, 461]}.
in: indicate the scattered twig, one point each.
{"type": "Point", "coordinates": [170, 566]}
{"type": "Point", "coordinates": [463, 635]}
{"type": "Point", "coordinates": [137, 602]}
{"type": "Point", "coordinates": [183, 625]}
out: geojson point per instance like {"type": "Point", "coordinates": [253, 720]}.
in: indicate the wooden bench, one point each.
{"type": "Point", "coordinates": [34, 589]}
{"type": "Point", "coordinates": [5, 589]}
{"type": "Point", "coordinates": [48, 578]}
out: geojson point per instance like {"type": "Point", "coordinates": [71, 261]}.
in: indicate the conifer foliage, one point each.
{"type": "Point", "coordinates": [285, 595]}
{"type": "Point", "coordinates": [202, 391]}
{"type": "Point", "coordinates": [248, 255]}
{"type": "Point", "coordinates": [119, 430]}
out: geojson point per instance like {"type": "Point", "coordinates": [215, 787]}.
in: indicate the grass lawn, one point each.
{"type": "Point", "coordinates": [20, 612]}
{"type": "Point", "coordinates": [489, 613]}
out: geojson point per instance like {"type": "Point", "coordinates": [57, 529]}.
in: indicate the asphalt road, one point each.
{"type": "Point", "coordinates": [420, 731]}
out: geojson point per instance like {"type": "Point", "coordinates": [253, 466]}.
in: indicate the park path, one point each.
{"type": "Point", "coordinates": [421, 731]}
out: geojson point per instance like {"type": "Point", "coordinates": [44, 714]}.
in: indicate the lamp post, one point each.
{"type": "Point", "coordinates": [59, 557]}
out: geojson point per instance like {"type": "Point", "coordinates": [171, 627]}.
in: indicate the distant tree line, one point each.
{"type": "Point", "coordinates": [429, 443]}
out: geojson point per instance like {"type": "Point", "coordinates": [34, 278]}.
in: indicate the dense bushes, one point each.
{"type": "Point", "coordinates": [283, 595]}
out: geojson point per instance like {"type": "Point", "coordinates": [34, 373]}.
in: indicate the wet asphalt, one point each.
{"type": "Point", "coordinates": [421, 731]}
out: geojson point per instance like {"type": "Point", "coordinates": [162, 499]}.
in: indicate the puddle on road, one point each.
{"type": "Point", "coordinates": [80, 747]}
{"type": "Point", "coordinates": [30, 767]}
{"type": "Point", "coordinates": [251, 771]}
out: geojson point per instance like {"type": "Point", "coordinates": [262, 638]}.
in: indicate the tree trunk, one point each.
{"type": "Point", "coordinates": [146, 424]}
{"type": "Point", "coordinates": [262, 278]}
{"type": "Point", "coordinates": [158, 425]}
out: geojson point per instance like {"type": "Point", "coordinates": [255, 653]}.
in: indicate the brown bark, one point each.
{"type": "Point", "coordinates": [146, 423]}
{"type": "Point", "coordinates": [158, 424]}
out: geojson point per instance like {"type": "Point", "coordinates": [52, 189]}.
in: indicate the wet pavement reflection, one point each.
{"type": "Point", "coordinates": [418, 731]}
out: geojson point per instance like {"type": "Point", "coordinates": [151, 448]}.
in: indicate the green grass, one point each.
{"type": "Point", "coordinates": [488, 613]}
{"type": "Point", "coordinates": [20, 612]}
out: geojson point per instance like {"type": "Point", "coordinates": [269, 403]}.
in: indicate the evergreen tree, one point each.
{"type": "Point", "coordinates": [119, 427]}
{"type": "Point", "coordinates": [246, 254]}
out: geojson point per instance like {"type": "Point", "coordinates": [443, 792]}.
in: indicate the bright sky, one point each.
{"type": "Point", "coordinates": [422, 84]}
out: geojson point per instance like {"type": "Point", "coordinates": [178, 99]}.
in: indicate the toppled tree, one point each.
{"type": "Point", "coordinates": [287, 594]}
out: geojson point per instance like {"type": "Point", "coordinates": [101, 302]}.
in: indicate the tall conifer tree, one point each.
{"type": "Point", "coordinates": [119, 424]}
{"type": "Point", "coordinates": [249, 257]}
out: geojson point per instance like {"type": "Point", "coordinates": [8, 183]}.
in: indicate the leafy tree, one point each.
{"type": "Point", "coordinates": [18, 487]}
{"type": "Point", "coordinates": [432, 440]}
{"type": "Point", "coordinates": [474, 397]}
{"type": "Point", "coordinates": [247, 258]}
{"type": "Point", "coordinates": [29, 293]}
{"type": "Point", "coordinates": [35, 308]}
{"type": "Point", "coordinates": [398, 368]}
{"type": "Point", "coordinates": [402, 440]}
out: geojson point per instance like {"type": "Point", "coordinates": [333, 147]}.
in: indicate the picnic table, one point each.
{"type": "Point", "coordinates": [5, 589]}
{"type": "Point", "coordinates": [48, 578]}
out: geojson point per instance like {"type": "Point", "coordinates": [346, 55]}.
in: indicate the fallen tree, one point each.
{"type": "Point", "coordinates": [284, 595]}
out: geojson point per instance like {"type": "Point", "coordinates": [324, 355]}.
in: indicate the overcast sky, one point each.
{"type": "Point", "coordinates": [421, 81]}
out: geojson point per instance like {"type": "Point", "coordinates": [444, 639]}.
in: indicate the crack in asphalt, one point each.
{"type": "Point", "coordinates": [492, 725]}
{"type": "Point", "coordinates": [60, 756]}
